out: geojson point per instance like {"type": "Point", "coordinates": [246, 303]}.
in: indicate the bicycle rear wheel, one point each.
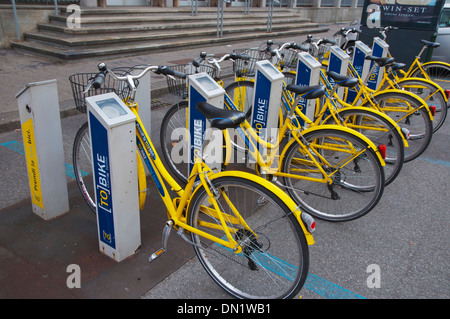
{"type": "Point", "coordinates": [357, 175]}
{"type": "Point", "coordinates": [411, 117]}
{"type": "Point", "coordinates": [431, 95]}
{"type": "Point", "coordinates": [275, 258]}
{"type": "Point", "coordinates": [438, 72]}
{"type": "Point", "coordinates": [381, 132]}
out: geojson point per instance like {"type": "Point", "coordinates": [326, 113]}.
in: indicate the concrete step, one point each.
{"type": "Point", "coordinates": [82, 52]}
{"type": "Point", "coordinates": [166, 19]}
{"type": "Point", "coordinates": [164, 25]}
{"type": "Point", "coordinates": [108, 38]}
{"type": "Point", "coordinates": [133, 10]}
{"type": "Point", "coordinates": [131, 30]}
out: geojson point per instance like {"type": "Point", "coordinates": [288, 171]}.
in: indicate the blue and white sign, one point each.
{"type": "Point", "coordinates": [379, 49]}
{"type": "Point", "coordinates": [266, 100]}
{"type": "Point", "coordinates": [308, 73]}
{"type": "Point", "coordinates": [338, 62]}
{"type": "Point", "coordinates": [113, 139]}
{"type": "Point", "coordinates": [360, 65]}
{"type": "Point", "coordinates": [102, 181]}
{"type": "Point", "coordinates": [203, 88]}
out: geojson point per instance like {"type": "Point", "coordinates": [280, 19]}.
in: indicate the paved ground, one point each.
{"type": "Point", "coordinates": [406, 235]}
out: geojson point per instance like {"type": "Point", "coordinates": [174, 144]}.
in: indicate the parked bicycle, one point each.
{"type": "Point", "coordinates": [251, 238]}
{"type": "Point", "coordinates": [333, 172]}
{"type": "Point", "coordinates": [421, 85]}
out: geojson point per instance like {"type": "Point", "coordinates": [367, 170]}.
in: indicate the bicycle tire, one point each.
{"type": "Point", "coordinates": [431, 95]}
{"type": "Point", "coordinates": [395, 146]}
{"type": "Point", "coordinates": [381, 132]}
{"type": "Point", "coordinates": [438, 72]}
{"type": "Point", "coordinates": [417, 123]}
{"type": "Point", "coordinates": [356, 188]}
{"type": "Point", "coordinates": [241, 93]}
{"type": "Point", "coordinates": [82, 165]}
{"type": "Point", "coordinates": [283, 258]}
{"type": "Point", "coordinates": [173, 139]}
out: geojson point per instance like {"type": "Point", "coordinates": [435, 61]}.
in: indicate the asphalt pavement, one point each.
{"type": "Point", "coordinates": [398, 251]}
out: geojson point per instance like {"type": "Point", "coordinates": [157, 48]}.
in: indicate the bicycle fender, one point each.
{"type": "Point", "coordinates": [418, 98]}
{"type": "Point", "coordinates": [293, 207]}
{"type": "Point", "coordinates": [365, 109]}
{"type": "Point", "coordinates": [369, 143]}
{"type": "Point", "coordinates": [438, 87]}
{"type": "Point", "coordinates": [227, 147]}
{"type": "Point", "coordinates": [142, 182]}
{"type": "Point", "coordinates": [429, 63]}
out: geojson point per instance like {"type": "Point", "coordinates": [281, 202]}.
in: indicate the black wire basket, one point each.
{"type": "Point", "coordinates": [322, 53]}
{"type": "Point", "coordinates": [246, 68]}
{"type": "Point", "coordinates": [178, 86]}
{"type": "Point", "coordinates": [79, 82]}
{"type": "Point", "coordinates": [289, 58]}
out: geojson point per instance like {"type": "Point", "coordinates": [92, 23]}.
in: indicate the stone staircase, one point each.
{"type": "Point", "coordinates": [123, 31]}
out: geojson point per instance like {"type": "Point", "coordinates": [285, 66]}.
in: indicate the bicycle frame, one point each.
{"type": "Point", "coordinates": [367, 95]}
{"type": "Point", "coordinates": [252, 140]}
{"type": "Point", "coordinates": [416, 64]}
{"type": "Point", "coordinates": [321, 114]}
{"type": "Point", "coordinates": [176, 207]}
{"type": "Point", "coordinates": [396, 80]}
{"type": "Point", "coordinates": [160, 174]}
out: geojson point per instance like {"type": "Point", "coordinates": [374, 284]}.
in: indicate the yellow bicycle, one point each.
{"type": "Point", "coordinates": [429, 80]}
{"type": "Point", "coordinates": [332, 172]}
{"type": "Point", "coordinates": [251, 238]}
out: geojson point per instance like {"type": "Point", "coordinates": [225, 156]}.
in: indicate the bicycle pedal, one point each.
{"type": "Point", "coordinates": [165, 237]}
{"type": "Point", "coordinates": [156, 254]}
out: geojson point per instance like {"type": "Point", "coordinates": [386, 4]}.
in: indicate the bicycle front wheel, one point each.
{"type": "Point", "coordinates": [241, 94]}
{"type": "Point", "coordinates": [357, 175]}
{"type": "Point", "coordinates": [82, 165]}
{"type": "Point", "coordinates": [275, 258]}
{"type": "Point", "coordinates": [174, 140]}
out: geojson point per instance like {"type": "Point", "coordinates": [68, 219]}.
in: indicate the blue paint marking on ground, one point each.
{"type": "Point", "coordinates": [327, 289]}
{"type": "Point", "coordinates": [314, 283]}
{"type": "Point", "coordinates": [15, 146]}
{"type": "Point", "coordinates": [435, 161]}
{"type": "Point", "coordinates": [18, 148]}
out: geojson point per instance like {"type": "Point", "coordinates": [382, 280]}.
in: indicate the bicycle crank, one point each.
{"type": "Point", "coordinates": [165, 237]}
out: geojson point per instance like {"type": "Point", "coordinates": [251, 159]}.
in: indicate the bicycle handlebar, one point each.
{"type": "Point", "coordinates": [309, 40]}
{"type": "Point", "coordinates": [98, 79]}
{"type": "Point", "coordinates": [287, 45]}
{"type": "Point", "coordinates": [229, 56]}
{"type": "Point", "coordinates": [346, 31]}
{"type": "Point", "coordinates": [386, 29]}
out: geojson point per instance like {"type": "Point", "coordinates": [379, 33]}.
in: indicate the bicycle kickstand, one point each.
{"type": "Point", "coordinates": [165, 237]}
